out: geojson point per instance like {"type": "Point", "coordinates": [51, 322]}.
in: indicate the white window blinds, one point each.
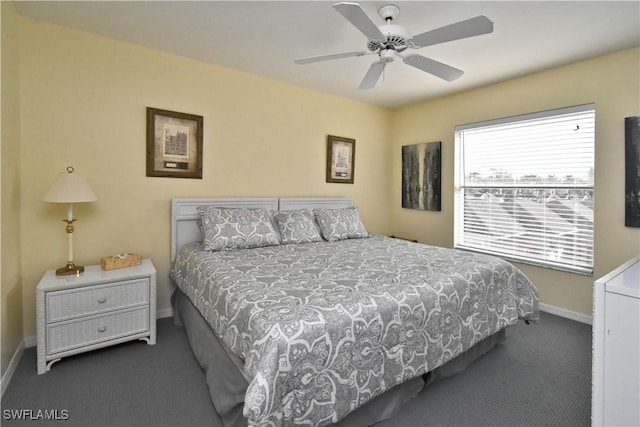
{"type": "Point", "coordinates": [524, 187]}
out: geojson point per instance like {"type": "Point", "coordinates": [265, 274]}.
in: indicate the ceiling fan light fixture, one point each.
{"type": "Point", "coordinates": [387, 55]}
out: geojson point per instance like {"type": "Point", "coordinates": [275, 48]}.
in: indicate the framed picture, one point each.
{"type": "Point", "coordinates": [421, 176]}
{"type": "Point", "coordinates": [174, 144]}
{"type": "Point", "coordinates": [341, 157]}
{"type": "Point", "coordinates": [632, 172]}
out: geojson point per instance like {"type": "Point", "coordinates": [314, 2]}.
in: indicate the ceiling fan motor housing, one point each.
{"type": "Point", "coordinates": [395, 37]}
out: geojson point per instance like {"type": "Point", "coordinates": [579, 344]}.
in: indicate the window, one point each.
{"type": "Point", "coordinates": [524, 188]}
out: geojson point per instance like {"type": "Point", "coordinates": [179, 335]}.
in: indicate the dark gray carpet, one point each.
{"type": "Point", "coordinates": [541, 376]}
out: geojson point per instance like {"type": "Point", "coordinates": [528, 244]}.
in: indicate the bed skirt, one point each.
{"type": "Point", "coordinates": [227, 384]}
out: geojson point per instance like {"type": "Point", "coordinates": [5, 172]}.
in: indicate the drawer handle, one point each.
{"type": "Point", "coordinates": [102, 328]}
{"type": "Point", "coordinates": [102, 300]}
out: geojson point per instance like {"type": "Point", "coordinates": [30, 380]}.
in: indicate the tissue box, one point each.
{"type": "Point", "coordinates": [120, 261]}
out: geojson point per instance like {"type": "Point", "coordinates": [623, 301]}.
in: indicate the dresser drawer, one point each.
{"type": "Point", "coordinates": [65, 336]}
{"type": "Point", "coordinates": [68, 304]}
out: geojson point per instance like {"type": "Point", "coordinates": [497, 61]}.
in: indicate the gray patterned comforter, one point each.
{"type": "Point", "coordinates": [325, 327]}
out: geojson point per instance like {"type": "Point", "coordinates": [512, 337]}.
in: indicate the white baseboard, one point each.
{"type": "Point", "coordinates": [31, 341]}
{"type": "Point", "coordinates": [568, 314]}
{"type": "Point", "coordinates": [165, 312]}
{"type": "Point", "coordinates": [13, 364]}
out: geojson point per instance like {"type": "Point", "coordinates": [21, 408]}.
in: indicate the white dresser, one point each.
{"type": "Point", "coordinates": [616, 347]}
{"type": "Point", "coordinates": [93, 310]}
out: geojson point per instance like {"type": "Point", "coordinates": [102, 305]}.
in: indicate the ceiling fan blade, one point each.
{"type": "Point", "coordinates": [354, 14]}
{"type": "Point", "coordinates": [460, 30]}
{"type": "Point", "coordinates": [372, 76]}
{"type": "Point", "coordinates": [436, 68]}
{"type": "Point", "coordinates": [311, 59]}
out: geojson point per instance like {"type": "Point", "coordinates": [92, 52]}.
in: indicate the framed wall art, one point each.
{"type": "Point", "coordinates": [421, 176]}
{"type": "Point", "coordinates": [174, 144]}
{"type": "Point", "coordinates": [632, 171]}
{"type": "Point", "coordinates": [341, 157]}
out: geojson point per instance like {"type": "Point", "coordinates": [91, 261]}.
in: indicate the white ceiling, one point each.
{"type": "Point", "coordinates": [264, 37]}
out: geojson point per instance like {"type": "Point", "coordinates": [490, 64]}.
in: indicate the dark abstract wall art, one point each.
{"type": "Point", "coordinates": [421, 176]}
{"type": "Point", "coordinates": [632, 171]}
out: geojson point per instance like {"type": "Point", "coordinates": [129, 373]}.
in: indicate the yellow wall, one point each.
{"type": "Point", "coordinates": [84, 100]}
{"type": "Point", "coordinates": [612, 82]}
{"type": "Point", "coordinates": [11, 299]}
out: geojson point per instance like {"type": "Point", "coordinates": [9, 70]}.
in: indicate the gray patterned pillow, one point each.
{"type": "Point", "coordinates": [298, 226]}
{"type": "Point", "coordinates": [274, 222]}
{"type": "Point", "coordinates": [340, 224]}
{"type": "Point", "coordinates": [236, 228]}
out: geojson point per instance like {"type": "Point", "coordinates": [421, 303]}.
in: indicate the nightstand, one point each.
{"type": "Point", "coordinates": [95, 309]}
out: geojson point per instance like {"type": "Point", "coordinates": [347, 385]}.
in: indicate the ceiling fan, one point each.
{"type": "Point", "coordinates": [390, 40]}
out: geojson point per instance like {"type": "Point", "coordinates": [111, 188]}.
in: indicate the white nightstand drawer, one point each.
{"type": "Point", "coordinates": [65, 336]}
{"type": "Point", "coordinates": [68, 304]}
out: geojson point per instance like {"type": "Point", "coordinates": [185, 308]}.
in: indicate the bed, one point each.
{"type": "Point", "coordinates": [341, 330]}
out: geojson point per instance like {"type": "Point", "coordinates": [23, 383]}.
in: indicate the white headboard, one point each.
{"type": "Point", "coordinates": [185, 217]}
{"type": "Point", "coordinates": [289, 204]}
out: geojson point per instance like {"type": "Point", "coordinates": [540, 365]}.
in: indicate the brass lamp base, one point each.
{"type": "Point", "coordinates": [70, 270]}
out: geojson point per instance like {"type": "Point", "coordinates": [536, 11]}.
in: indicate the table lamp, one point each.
{"type": "Point", "coordinates": [69, 188]}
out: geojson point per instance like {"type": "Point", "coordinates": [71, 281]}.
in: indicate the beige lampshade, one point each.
{"type": "Point", "coordinates": [69, 187]}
